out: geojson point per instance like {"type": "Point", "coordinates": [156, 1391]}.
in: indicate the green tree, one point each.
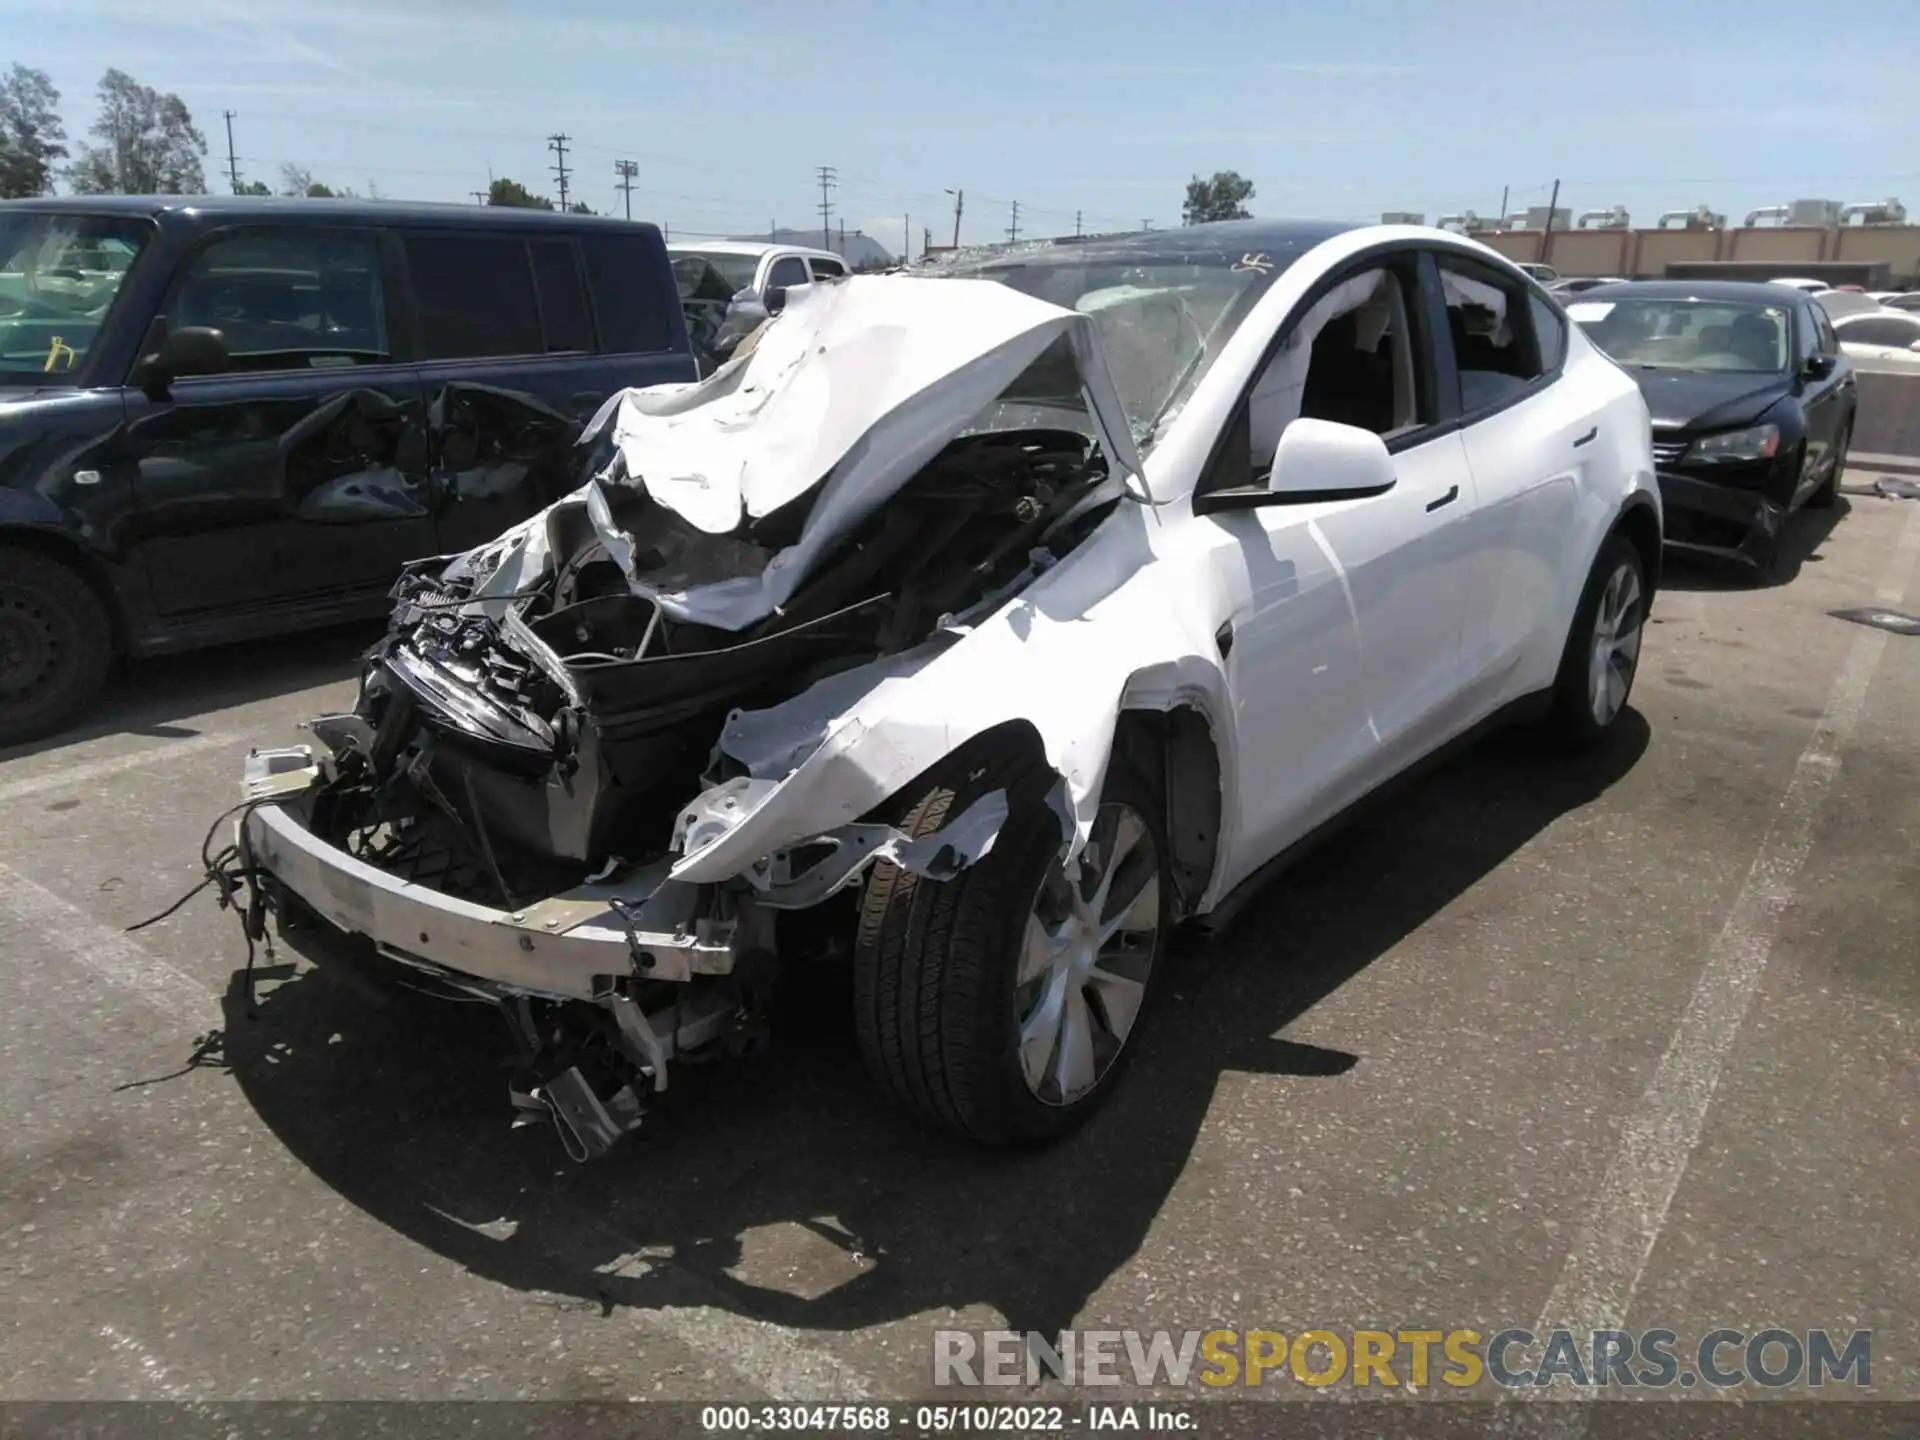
{"type": "Point", "coordinates": [1224, 197]}
{"type": "Point", "coordinates": [148, 144]}
{"type": "Point", "coordinates": [512, 192]}
{"type": "Point", "coordinates": [580, 207]}
{"type": "Point", "coordinates": [31, 135]}
{"type": "Point", "coordinates": [255, 187]}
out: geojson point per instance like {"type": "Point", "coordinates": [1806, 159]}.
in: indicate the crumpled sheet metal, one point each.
{"type": "Point", "coordinates": [964, 840]}
{"type": "Point", "coordinates": [854, 388]}
{"type": "Point", "coordinates": [858, 384]}
{"type": "Point", "coordinates": [901, 716]}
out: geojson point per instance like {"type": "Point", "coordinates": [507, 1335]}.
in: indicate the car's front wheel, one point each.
{"type": "Point", "coordinates": [56, 644]}
{"type": "Point", "coordinates": [1002, 1004]}
{"type": "Point", "coordinates": [1602, 653]}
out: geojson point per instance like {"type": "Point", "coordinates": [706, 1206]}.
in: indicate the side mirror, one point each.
{"type": "Point", "coordinates": [1315, 460]}
{"type": "Point", "coordinates": [1818, 367]}
{"type": "Point", "coordinates": [190, 350]}
{"type": "Point", "coordinates": [1915, 347]}
{"type": "Point", "coordinates": [775, 299]}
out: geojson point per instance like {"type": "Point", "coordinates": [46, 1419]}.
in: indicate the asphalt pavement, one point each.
{"type": "Point", "coordinates": [1626, 1040]}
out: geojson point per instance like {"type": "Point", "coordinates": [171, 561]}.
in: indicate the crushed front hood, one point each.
{"type": "Point", "coordinates": [849, 393]}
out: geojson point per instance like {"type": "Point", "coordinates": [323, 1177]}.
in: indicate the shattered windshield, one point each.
{"type": "Point", "coordinates": [1161, 320]}
{"type": "Point", "coordinates": [58, 276]}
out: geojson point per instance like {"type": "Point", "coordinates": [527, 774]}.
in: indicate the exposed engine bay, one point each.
{"type": "Point", "coordinates": [558, 723]}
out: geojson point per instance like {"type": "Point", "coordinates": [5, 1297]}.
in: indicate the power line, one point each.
{"type": "Point", "coordinates": [829, 178]}
{"type": "Point", "coordinates": [626, 170]}
{"type": "Point", "coordinates": [558, 144]}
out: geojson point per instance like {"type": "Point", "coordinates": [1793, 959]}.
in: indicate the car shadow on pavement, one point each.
{"type": "Point", "coordinates": [399, 1104]}
{"type": "Point", "coordinates": [1806, 531]}
{"type": "Point", "coordinates": [149, 697]}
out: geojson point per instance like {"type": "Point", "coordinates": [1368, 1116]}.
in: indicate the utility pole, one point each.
{"type": "Point", "coordinates": [1146, 224]}
{"type": "Point", "coordinates": [1503, 207]}
{"type": "Point", "coordinates": [829, 178]}
{"type": "Point", "coordinates": [479, 196]}
{"type": "Point", "coordinates": [1013, 226]}
{"type": "Point", "coordinates": [959, 204]}
{"type": "Point", "coordinates": [1076, 224]}
{"type": "Point", "coordinates": [906, 238]}
{"type": "Point", "coordinates": [626, 170]}
{"type": "Point", "coordinates": [1546, 239]}
{"type": "Point", "coordinates": [843, 235]}
{"type": "Point", "coordinates": [558, 144]}
{"type": "Point", "coordinates": [233, 165]}
{"type": "Point", "coordinates": [926, 240]}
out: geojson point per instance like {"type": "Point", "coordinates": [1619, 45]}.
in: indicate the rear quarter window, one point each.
{"type": "Point", "coordinates": [628, 299]}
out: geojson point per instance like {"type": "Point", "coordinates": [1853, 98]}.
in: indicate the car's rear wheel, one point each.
{"type": "Point", "coordinates": [1829, 490]}
{"type": "Point", "coordinates": [55, 644]}
{"type": "Point", "coordinates": [1602, 654]}
{"type": "Point", "coordinates": [1002, 1004]}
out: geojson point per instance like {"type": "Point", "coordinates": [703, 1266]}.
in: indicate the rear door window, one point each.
{"type": "Point", "coordinates": [622, 277]}
{"type": "Point", "coordinates": [827, 269]}
{"type": "Point", "coordinates": [289, 299]}
{"type": "Point", "coordinates": [564, 321]}
{"type": "Point", "coordinates": [476, 296]}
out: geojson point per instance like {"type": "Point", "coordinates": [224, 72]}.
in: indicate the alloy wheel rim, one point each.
{"type": "Point", "coordinates": [1085, 957]}
{"type": "Point", "coordinates": [1616, 645]}
{"type": "Point", "coordinates": [29, 646]}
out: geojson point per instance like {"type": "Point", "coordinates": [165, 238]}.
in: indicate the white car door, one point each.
{"type": "Point", "coordinates": [1345, 648]}
{"type": "Point", "coordinates": [1529, 437]}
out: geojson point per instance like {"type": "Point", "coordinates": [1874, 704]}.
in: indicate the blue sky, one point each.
{"type": "Point", "coordinates": [1104, 107]}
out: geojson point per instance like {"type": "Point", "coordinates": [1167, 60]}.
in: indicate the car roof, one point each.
{"type": "Point", "coordinates": [1757, 291]}
{"type": "Point", "coordinates": [1881, 314]}
{"type": "Point", "coordinates": [744, 247]}
{"type": "Point", "coordinates": [1186, 243]}
{"type": "Point", "coordinates": [352, 211]}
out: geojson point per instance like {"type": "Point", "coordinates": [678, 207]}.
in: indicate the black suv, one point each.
{"type": "Point", "coordinates": [227, 418]}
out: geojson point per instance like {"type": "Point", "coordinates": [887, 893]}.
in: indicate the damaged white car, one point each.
{"type": "Point", "coordinates": [973, 629]}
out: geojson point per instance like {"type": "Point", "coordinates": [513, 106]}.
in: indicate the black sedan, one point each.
{"type": "Point", "coordinates": [1751, 399]}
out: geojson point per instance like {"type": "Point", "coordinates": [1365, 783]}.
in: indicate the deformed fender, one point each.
{"type": "Point", "coordinates": [845, 745]}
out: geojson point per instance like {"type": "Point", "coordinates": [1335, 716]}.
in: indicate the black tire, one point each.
{"type": "Point", "coordinates": [1829, 492]}
{"type": "Point", "coordinates": [56, 644]}
{"type": "Point", "coordinates": [1573, 722]}
{"type": "Point", "coordinates": [936, 962]}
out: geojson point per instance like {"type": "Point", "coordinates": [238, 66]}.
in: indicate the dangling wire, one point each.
{"type": "Point", "coordinates": [227, 872]}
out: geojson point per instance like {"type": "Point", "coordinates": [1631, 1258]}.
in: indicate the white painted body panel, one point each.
{"type": "Point", "coordinates": [1366, 633]}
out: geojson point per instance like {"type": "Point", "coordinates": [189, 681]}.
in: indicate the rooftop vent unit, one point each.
{"type": "Point", "coordinates": [1875, 212]}
{"type": "Point", "coordinates": [1700, 217]}
{"type": "Point", "coordinates": [1614, 219]}
{"type": "Point", "coordinates": [1402, 217]}
{"type": "Point", "coordinates": [1776, 213]}
{"type": "Point", "coordinates": [1814, 212]}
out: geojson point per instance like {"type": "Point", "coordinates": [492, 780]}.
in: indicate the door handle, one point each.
{"type": "Point", "coordinates": [1586, 438]}
{"type": "Point", "coordinates": [1447, 499]}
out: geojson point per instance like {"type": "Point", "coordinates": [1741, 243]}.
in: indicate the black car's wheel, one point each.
{"type": "Point", "coordinates": [1000, 1004]}
{"type": "Point", "coordinates": [1829, 490]}
{"type": "Point", "coordinates": [55, 644]}
{"type": "Point", "coordinates": [1603, 648]}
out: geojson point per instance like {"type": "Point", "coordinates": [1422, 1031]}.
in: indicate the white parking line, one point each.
{"type": "Point", "coordinates": [777, 1361]}
{"type": "Point", "coordinates": [107, 952]}
{"type": "Point", "coordinates": [1598, 1280]}
{"type": "Point", "coordinates": [86, 772]}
